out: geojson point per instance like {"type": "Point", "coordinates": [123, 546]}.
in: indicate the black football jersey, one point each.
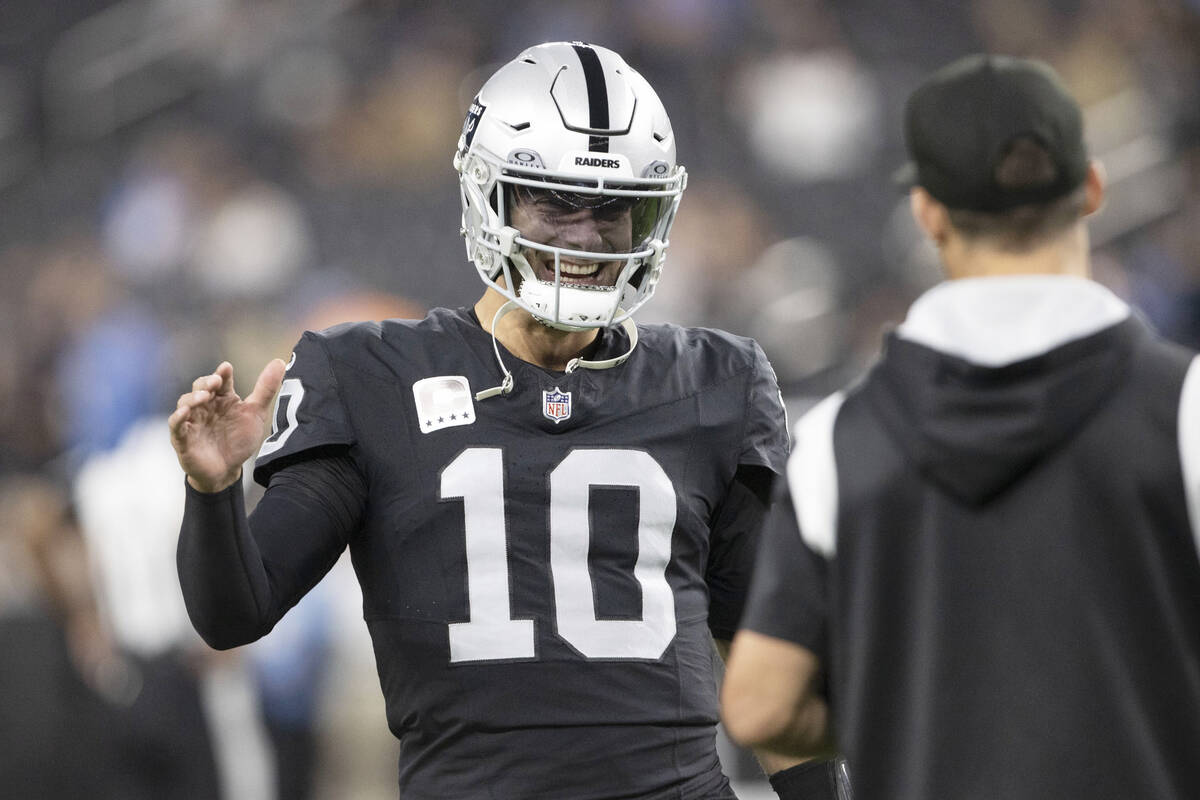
{"type": "Point", "coordinates": [534, 565]}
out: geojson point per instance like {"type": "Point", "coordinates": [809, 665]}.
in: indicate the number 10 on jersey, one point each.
{"type": "Point", "coordinates": [491, 633]}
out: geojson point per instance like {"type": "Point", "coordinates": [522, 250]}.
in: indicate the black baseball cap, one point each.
{"type": "Point", "coordinates": [961, 120]}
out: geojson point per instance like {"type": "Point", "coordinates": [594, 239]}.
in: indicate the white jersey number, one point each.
{"type": "Point", "coordinates": [477, 476]}
{"type": "Point", "coordinates": [291, 393]}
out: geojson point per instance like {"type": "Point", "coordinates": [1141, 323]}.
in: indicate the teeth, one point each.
{"type": "Point", "coordinates": [579, 270]}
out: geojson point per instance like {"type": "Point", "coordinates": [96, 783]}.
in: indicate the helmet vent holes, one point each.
{"type": "Point", "coordinates": [658, 137]}
{"type": "Point", "coordinates": [520, 126]}
{"type": "Point", "coordinates": [528, 61]}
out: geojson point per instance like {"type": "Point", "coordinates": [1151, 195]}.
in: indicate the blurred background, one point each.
{"type": "Point", "coordinates": [183, 181]}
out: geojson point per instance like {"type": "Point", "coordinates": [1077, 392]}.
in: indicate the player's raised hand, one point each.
{"type": "Point", "coordinates": [214, 430]}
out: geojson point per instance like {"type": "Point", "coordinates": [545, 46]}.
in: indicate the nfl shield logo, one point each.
{"type": "Point", "coordinates": [556, 404]}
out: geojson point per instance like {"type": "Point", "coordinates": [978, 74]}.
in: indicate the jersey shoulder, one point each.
{"type": "Point", "coordinates": [350, 339]}
{"type": "Point", "coordinates": [713, 354]}
{"type": "Point", "coordinates": [339, 376]}
{"type": "Point", "coordinates": [393, 346]}
{"type": "Point", "coordinates": [731, 376]}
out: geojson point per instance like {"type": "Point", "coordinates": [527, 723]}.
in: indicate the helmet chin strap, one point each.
{"type": "Point", "coordinates": [506, 385]}
{"type": "Point", "coordinates": [582, 363]}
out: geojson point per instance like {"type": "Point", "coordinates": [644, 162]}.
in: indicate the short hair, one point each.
{"type": "Point", "coordinates": [1025, 164]}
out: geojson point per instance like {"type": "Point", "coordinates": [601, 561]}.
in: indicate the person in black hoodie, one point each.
{"type": "Point", "coordinates": [981, 579]}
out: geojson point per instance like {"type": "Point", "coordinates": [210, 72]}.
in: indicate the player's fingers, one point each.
{"type": "Point", "coordinates": [224, 372]}
{"type": "Point", "coordinates": [210, 382]}
{"type": "Point", "coordinates": [198, 397]}
{"type": "Point", "coordinates": [175, 423]}
{"type": "Point", "coordinates": [268, 383]}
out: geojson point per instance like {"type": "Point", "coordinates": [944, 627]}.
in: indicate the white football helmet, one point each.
{"type": "Point", "coordinates": [576, 121]}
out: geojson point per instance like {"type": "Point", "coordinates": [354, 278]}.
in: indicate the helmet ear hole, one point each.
{"type": "Point", "coordinates": [635, 280]}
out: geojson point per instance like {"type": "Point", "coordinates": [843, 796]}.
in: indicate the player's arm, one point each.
{"type": "Point", "coordinates": [772, 696]}
{"type": "Point", "coordinates": [240, 575]}
{"type": "Point", "coordinates": [733, 548]}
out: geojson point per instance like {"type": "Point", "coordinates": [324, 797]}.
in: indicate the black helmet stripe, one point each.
{"type": "Point", "coordinates": [597, 89]}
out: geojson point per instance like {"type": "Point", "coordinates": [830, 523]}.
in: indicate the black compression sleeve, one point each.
{"type": "Point", "coordinates": [788, 599]}
{"type": "Point", "coordinates": [732, 547]}
{"type": "Point", "coordinates": [240, 576]}
{"type": "Point", "coordinates": [224, 582]}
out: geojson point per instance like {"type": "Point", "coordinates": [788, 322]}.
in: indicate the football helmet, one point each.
{"type": "Point", "coordinates": [573, 122]}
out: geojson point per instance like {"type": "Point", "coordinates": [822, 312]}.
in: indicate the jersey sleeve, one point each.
{"type": "Point", "coordinates": [308, 410]}
{"type": "Point", "coordinates": [788, 598]}
{"type": "Point", "coordinates": [765, 438]}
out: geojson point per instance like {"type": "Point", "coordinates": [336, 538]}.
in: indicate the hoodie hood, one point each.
{"type": "Point", "coordinates": [987, 376]}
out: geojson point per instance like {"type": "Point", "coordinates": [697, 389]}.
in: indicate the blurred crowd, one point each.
{"type": "Point", "coordinates": [185, 181]}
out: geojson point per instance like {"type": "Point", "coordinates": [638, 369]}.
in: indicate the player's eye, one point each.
{"type": "Point", "coordinates": [542, 199]}
{"type": "Point", "coordinates": [617, 208]}
{"type": "Point", "coordinates": [562, 202]}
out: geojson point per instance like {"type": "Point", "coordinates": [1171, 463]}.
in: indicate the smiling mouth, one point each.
{"type": "Point", "coordinates": [575, 273]}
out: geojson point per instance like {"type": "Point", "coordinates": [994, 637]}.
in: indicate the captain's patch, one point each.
{"type": "Point", "coordinates": [443, 402]}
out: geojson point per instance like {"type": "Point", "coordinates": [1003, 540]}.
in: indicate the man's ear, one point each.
{"type": "Point", "coordinates": [1096, 183]}
{"type": "Point", "coordinates": [930, 215]}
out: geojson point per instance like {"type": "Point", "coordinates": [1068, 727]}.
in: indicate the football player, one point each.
{"type": "Point", "coordinates": [550, 509]}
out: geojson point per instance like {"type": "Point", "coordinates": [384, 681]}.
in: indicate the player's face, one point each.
{"type": "Point", "coordinates": [573, 222]}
